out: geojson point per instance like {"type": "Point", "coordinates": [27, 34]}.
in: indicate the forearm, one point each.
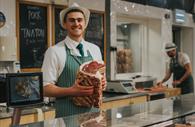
{"type": "Point", "coordinates": [56, 91]}
{"type": "Point", "coordinates": [167, 76]}
{"type": "Point", "coordinates": [185, 76]}
{"type": "Point", "coordinates": [187, 73]}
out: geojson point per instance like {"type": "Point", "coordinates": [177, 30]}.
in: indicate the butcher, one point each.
{"type": "Point", "coordinates": [62, 61]}
{"type": "Point", "coordinates": [180, 68]}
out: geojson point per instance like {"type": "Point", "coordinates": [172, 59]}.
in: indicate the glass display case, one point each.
{"type": "Point", "coordinates": [163, 112]}
{"type": "Point", "coordinates": [128, 44]}
{"type": "Point", "coordinates": [129, 49]}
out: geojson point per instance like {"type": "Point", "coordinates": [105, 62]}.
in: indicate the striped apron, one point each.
{"type": "Point", "coordinates": [178, 71]}
{"type": "Point", "coordinates": [64, 105]}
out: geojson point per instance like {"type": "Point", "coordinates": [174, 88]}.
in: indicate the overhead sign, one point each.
{"type": "Point", "coordinates": [179, 16]}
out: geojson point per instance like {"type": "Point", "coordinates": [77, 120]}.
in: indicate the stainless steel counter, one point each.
{"type": "Point", "coordinates": [147, 114]}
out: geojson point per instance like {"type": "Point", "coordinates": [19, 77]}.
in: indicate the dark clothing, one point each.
{"type": "Point", "coordinates": [178, 71]}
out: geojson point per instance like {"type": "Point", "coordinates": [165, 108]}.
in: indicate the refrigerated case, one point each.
{"type": "Point", "coordinates": [136, 43]}
{"type": "Point", "coordinates": [129, 49]}
{"type": "Point", "coordinates": [128, 39]}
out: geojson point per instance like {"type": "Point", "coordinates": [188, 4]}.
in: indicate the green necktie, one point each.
{"type": "Point", "coordinates": [80, 48]}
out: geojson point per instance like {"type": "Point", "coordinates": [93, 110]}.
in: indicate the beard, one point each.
{"type": "Point", "coordinates": [171, 55]}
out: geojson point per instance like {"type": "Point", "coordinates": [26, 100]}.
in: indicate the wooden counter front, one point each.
{"type": "Point", "coordinates": [171, 92]}
{"type": "Point", "coordinates": [28, 118]}
{"type": "Point", "coordinates": [123, 102]}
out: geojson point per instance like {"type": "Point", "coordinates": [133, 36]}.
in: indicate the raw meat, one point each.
{"type": "Point", "coordinates": [90, 74]}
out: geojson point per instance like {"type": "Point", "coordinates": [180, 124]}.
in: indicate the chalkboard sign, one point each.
{"type": "Point", "coordinates": [60, 33]}
{"type": "Point", "coordinates": [32, 34]}
{"type": "Point", "coordinates": [94, 32]}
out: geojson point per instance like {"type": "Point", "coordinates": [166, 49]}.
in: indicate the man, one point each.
{"type": "Point", "coordinates": [181, 69]}
{"type": "Point", "coordinates": [62, 62]}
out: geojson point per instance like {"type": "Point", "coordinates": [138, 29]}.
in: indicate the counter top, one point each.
{"type": "Point", "coordinates": [146, 114]}
{"type": "Point", "coordinates": [169, 92]}
{"type": "Point", "coordinates": [109, 96]}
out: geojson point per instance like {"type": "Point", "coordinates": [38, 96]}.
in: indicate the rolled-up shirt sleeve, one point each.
{"type": "Point", "coordinates": [50, 67]}
{"type": "Point", "coordinates": [185, 59]}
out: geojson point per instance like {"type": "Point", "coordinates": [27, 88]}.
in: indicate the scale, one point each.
{"type": "Point", "coordinates": [121, 86]}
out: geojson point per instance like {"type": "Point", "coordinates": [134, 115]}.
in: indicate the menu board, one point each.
{"type": "Point", "coordinates": [95, 30]}
{"type": "Point", "coordinates": [32, 34]}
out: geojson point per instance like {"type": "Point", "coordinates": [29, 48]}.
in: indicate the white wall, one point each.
{"type": "Point", "coordinates": [155, 52]}
{"type": "Point", "coordinates": [90, 4]}
{"type": "Point", "coordinates": [8, 7]}
{"type": "Point", "coordinates": [186, 41]}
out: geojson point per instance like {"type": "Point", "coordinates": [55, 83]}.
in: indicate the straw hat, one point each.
{"type": "Point", "coordinates": [170, 47]}
{"type": "Point", "coordinates": [85, 11]}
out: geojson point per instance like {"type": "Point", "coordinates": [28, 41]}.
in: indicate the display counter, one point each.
{"type": "Point", "coordinates": [136, 102]}
{"type": "Point", "coordinates": [157, 112]}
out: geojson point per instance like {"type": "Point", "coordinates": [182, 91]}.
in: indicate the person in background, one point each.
{"type": "Point", "coordinates": [180, 67]}
{"type": "Point", "coordinates": [62, 61]}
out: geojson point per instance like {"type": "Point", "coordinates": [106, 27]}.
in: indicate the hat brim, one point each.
{"type": "Point", "coordinates": [85, 11]}
{"type": "Point", "coordinates": [170, 49]}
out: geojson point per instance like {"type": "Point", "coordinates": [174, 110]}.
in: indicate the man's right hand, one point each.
{"type": "Point", "coordinates": [78, 90]}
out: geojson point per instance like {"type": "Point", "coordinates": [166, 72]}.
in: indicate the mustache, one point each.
{"type": "Point", "coordinates": [172, 55]}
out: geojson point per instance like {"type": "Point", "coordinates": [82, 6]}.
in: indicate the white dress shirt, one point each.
{"type": "Point", "coordinates": [55, 58]}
